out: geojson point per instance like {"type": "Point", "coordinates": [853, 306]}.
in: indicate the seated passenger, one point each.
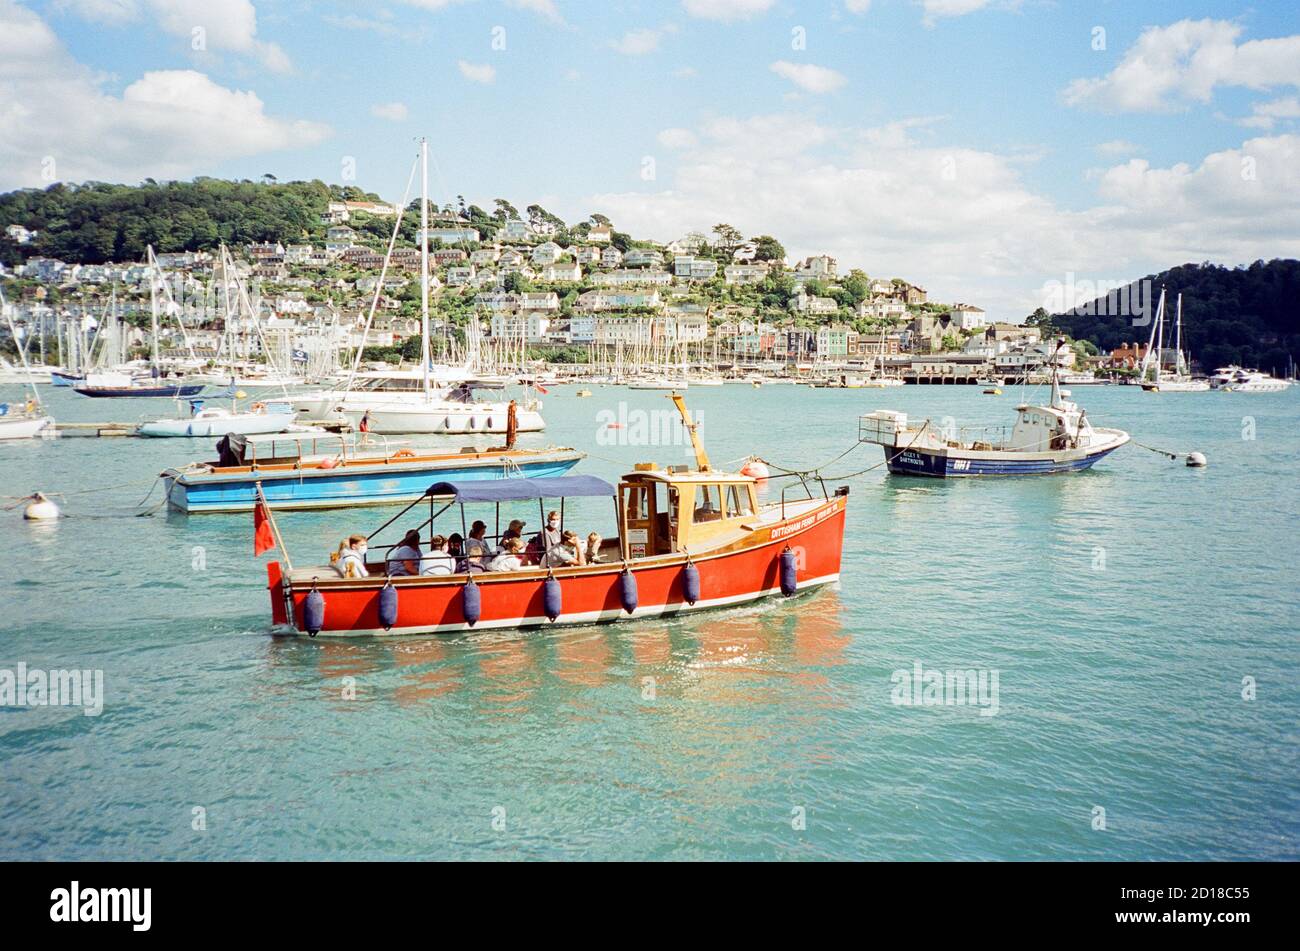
{"type": "Point", "coordinates": [565, 553]}
{"type": "Point", "coordinates": [439, 561]}
{"type": "Point", "coordinates": [592, 554]}
{"type": "Point", "coordinates": [509, 559]}
{"type": "Point", "coordinates": [477, 550]}
{"type": "Point", "coordinates": [350, 560]}
{"type": "Point", "coordinates": [516, 530]}
{"type": "Point", "coordinates": [456, 548]}
{"type": "Point", "coordinates": [405, 558]}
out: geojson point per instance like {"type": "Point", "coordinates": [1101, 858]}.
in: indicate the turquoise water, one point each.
{"type": "Point", "coordinates": [1121, 610]}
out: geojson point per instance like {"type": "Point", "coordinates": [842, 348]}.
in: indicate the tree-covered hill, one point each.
{"type": "Point", "coordinates": [1245, 315]}
{"type": "Point", "coordinates": [97, 222]}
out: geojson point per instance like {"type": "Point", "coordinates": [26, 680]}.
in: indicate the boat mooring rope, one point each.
{"type": "Point", "coordinates": [1162, 452]}
{"type": "Point", "coordinates": [816, 473]}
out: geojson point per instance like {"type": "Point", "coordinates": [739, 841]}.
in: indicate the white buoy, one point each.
{"type": "Point", "coordinates": [40, 508]}
{"type": "Point", "coordinates": [1196, 460]}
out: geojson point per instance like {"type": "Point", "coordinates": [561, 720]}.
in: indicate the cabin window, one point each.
{"type": "Point", "coordinates": [708, 502]}
{"type": "Point", "coordinates": [635, 506]}
{"type": "Point", "coordinates": [738, 501]}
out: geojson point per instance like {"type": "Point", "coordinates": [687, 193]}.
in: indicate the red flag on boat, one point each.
{"type": "Point", "coordinates": [263, 537]}
{"type": "Point", "coordinates": [365, 422]}
{"type": "Point", "coordinates": [540, 389]}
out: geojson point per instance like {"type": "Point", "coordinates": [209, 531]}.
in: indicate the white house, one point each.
{"type": "Point", "coordinates": [744, 273]}
{"type": "Point", "coordinates": [449, 235]}
{"type": "Point", "coordinates": [540, 301]}
{"type": "Point", "coordinates": [968, 316]}
{"type": "Point", "coordinates": [623, 278]}
{"type": "Point", "coordinates": [531, 327]}
{"type": "Point", "coordinates": [561, 271]}
{"type": "Point", "coordinates": [642, 257]}
{"type": "Point", "coordinates": [548, 252]}
{"type": "Point", "coordinates": [601, 234]}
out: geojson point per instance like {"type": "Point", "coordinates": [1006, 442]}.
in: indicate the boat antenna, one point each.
{"type": "Point", "coordinates": [701, 457]}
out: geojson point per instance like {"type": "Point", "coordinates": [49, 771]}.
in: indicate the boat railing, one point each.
{"type": "Point", "coordinates": [989, 435]}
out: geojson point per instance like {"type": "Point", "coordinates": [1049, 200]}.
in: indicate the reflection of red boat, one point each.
{"type": "Point", "coordinates": [689, 539]}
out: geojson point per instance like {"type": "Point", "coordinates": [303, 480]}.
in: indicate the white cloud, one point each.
{"type": "Point", "coordinates": [726, 10]}
{"type": "Point", "coordinates": [936, 10]}
{"type": "Point", "coordinates": [1264, 115]}
{"type": "Point", "coordinates": [546, 8]}
{"type": "Point", "coordinates": [1117, 147]}
{"type": "Point", "coordinates": [101, 11]}
{"type": "Point", "coordinates": [477, 72]}
{"type": "Point", "coordinates": [166, 124]}
{"type": "Point", "coordinates": [676, 138]}
{"type": "Point", "coordinates": [220, 25]}
{"type": "Point", "coordinates": [641, 42]}
{"type": "Point", "coordinates": [963, 222]}
{"type": "Point", "coordinates": [810, 78]}
{"type": "Point", "coordinates": [393, 111]}
{"type": "Point", "coordinates": [685, 72]}
{"type": "Point", "coordinates": [1171, 66]}
{"type": "Point", "coordinates": [857, 6]}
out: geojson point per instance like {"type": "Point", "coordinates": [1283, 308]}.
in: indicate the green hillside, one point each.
{"type": "Point", "coordinates": [1245, 315]}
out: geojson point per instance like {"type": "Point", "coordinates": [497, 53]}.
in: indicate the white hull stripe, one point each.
{"type": "Point", "coordinates": [585, 617]}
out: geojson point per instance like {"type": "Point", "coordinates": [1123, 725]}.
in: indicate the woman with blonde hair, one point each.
{"type": "Point", "coordinates": [350, 560]}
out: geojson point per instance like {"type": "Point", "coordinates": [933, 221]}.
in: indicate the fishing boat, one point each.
{"type": "Point", "coordinates": [1179, 380]}
{"type": "Point", "coordinates": [318, 470]}
{"type": "Point", "coordinates": [1044, 440]}
{"type": "Point", "coordinates": [206, 421]}
{"type": "Point", "coordinates": [688, 539]}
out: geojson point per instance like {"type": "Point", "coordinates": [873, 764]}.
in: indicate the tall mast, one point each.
{"type": "Point", "coordinates": [153, 305]}
{"type": "Point", "coordinates": [424, 262]}
{"type": "Point", "coordinates": [1178, 338]}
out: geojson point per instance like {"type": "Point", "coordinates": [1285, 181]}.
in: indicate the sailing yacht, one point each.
{"type": "Point", "coordinates": [428, 401]}
{"type": "Point", "coordinates": [30, 419]}
{"type": "Point", "coordinates": [1180, 381]}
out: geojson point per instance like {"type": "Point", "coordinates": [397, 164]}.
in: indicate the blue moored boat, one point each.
{"type": "Point", "coordinates": [1045, 440]}
{"type": "Point", "coordinates": [322, 470]}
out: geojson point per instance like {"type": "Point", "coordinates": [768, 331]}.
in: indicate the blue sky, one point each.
{"type": "Point", "coordinates": [984, 147]}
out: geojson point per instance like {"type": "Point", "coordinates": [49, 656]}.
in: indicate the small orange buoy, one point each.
{"type": "Point", "coordinates": [755, 469]}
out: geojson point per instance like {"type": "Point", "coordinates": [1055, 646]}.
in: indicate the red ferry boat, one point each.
{"type": "Point", "coordinates": [689, 539]}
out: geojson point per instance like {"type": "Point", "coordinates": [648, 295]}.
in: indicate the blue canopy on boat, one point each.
{"type": "Point", "coordinates": [512, 490]}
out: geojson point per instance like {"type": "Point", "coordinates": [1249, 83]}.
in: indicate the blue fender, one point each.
{"type": "Point", "coordinates": [388, 606]}
{"type": "Point", "coordinates": [789, 572]}
{"type": "Point", "coordinates": [471, 602]}
{"type": "Point", "coordinates": [313, 612]}
{"type": "Point", "coordinates": [690, 583]}
{"type": "Point", "coordinates": [627, 593]}
{"type": "Point", "coordinates": [552, 598]}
